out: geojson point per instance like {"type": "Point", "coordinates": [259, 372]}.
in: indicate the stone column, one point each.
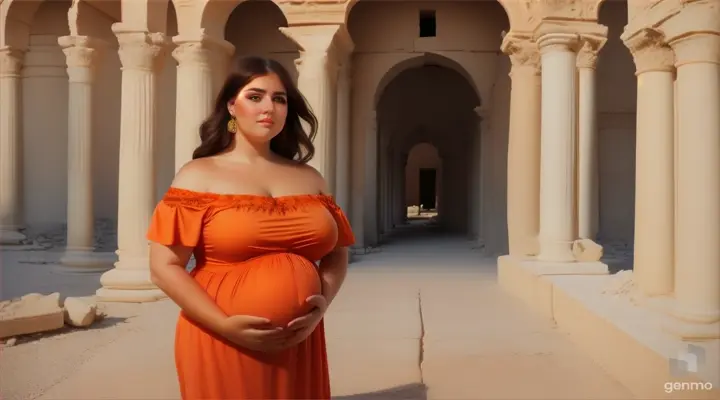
{"type": "Point", "coordinates": [195, 90]}
{"type": "Point", "coordinates": [141, 55]}
{"type": "Point", "coordinates": [697, 254]}
{"type": "Point", "coordinates": [317, 76]}
{"type": "Point", "coordinates": [82, 54]}
{"type": "Point", "coordinates": [10, 150]}
{"type": "Point", "coordinates": [523, 175]}
{"type": "Point", "coordinates": [369, 199]}
{"type": "Point", "coordinates": [400, 209]}
{"type": "Point", "coordinates": [342, 149]}
{"type": "Point", "coordinates": [486, 235]}
{"type": "Point", "coordinates": [473, 180]}
{"type": "Point", "coordinates": [587, 169]}
{"type": "Point", "coordinates": [654, 160]}
{"type": "Point", "coordinates": [558, 146]}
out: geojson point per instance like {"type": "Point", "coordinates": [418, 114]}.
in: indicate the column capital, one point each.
{"type": "Point", "coordinates": [140, 50]}
{"type": "Point", "coordinates": [560, 35]}
{"type": "Point", "coordinates": [81, 56]}
{"type": "Point", "coordinates": [312, 39]}
{"type": "Point", "coordinates": [650, 52]}
{"type": "Point", "coordinates": [588, 53]}
{"type": "Point", "coordinates": [197, 50]}
{"type": "Point", "coordinates": [696, 47]}
{"type": "Point", "coordinates": [522, 50]}
{"type": "Point", "coordinates": [558, 42]}
{"type": "Point", "coordinates": [319, 45]}
{"type": "Point", "coordinates": [11, 61]}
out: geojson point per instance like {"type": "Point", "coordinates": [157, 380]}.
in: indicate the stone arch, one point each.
{"type": "Point", "coordinates": [415, 136]}
{"type": "Point", "coordinates": [16, 18]}
{"type": "Point", "coordinates": [422, 154]}
{"type": "Point", "coordinates": [213, 17]}
{"type": "Point", "coordinates": [145, 15]}
{"type": "Point", "coordinates": [508, 5]}
{"type": "Point", "coordinates": [82, 17]}
{"type": "Point", "coordinates": [426, 59]}
{"type": "Point", "coordinates": [262, 20]}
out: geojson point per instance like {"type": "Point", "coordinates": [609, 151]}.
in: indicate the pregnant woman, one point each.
{"type": "Point", "coordinates": [257, 218]}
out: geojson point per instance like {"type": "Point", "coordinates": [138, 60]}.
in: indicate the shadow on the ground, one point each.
{"type": "Point", "coordinates": [104, 323]}
{"type": "Point", "coordinates": [415, 391]}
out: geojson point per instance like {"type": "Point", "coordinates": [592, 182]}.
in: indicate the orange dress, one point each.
{"type": "Point", "coordinates": [254, 255]}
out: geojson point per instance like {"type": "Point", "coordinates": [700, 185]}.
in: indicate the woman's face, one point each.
{"type": "Point", "coordinates": [260, 108]}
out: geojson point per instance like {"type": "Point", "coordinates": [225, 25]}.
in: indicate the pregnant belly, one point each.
{"type": "Point", "coordinates": [273, 286]}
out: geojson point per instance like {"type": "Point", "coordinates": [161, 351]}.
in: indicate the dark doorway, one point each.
{"type": "Point", "coordinates": [427, 188]}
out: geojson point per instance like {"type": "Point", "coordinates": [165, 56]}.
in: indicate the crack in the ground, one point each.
{"type": "Point", "coordinates": [421, 341]}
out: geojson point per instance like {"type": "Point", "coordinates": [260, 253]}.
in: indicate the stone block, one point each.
{"type": "Point", "coordinates": [31, 313]}
{"type": "Point", "coordinates": [586, 250]}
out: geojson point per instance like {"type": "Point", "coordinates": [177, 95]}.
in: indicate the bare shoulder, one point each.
{"type": "Point", "coordinates": [315, 179]}
{"type": "Point", "coordinates": [194, 175]}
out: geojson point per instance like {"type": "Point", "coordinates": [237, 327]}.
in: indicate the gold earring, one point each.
{"type": "Point", "coordinates": [232, 126]}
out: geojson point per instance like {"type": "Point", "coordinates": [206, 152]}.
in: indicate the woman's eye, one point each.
{"type": "Point", "coordinates": [280, 100]}
{"type": "Point", "coordinates": [254, 98]}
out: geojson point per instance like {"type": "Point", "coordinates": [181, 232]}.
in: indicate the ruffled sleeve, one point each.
{"type": "Point", "coordinates": [346, 237]}
{"type": "Point", "coordinates": [178, 218]}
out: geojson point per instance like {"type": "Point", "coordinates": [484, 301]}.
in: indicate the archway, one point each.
{"type": "Point", "coordinates": [431, 103]}
{"type": "Point", "coordinates": [423, 181]}
{"type": "Point", "coordinates": [260, 20]}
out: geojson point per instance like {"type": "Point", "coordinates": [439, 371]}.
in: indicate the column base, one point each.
{"type": "Point", "coordinates": [691, 331]}
{"type": "Point", "coordinates": [86, 260]}
{"type": "Point", "coordinates": [129, 296]}
{"type": "Point", "coordinates": [11, 236]}
{"type": "Point", "coordinates": [556, 252]}
{"type": "Point", "coordinates": [541, 267]}
{"type": "Point", "coordinates": [128, 285]}
{"type": "Point", "coordinates": [690, 326]}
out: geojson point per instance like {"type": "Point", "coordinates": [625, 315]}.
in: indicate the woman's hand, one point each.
{"type": "Point", "coordinates": [302, 327]}
{"type": "Point", "coordinates": [255, 333]}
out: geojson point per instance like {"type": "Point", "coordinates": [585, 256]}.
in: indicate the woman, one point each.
{"type": "Point", "coordinates": [257, 218]}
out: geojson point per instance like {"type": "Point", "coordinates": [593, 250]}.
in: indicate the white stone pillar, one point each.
{"type": "Point", "coordinates": [82, 54]}
{"type": "Point", "coordinates": [486, 234]}
{"type": "Point", "coordinates": [369, 198]}
{"type": "Point", "coordinates": [473, 182]}
{"type": "Point", "coordinates": [317, 77]}
{"type": "Point", "coordinates": [399, 179]}
{"type": "Point", "coordinates": [387, 197]}
{"type": "Point", "coordinates": [342, 160]}
{"type": "Point", "coordinates": [141, 55]}
{"type": "Point", "coordinates": [697, 253]}
{"type": "Point", "coordinates": [588, 179]}
{"type": "Point", "coordinates": [558, 146]}
{"type": "Point", "coordinates": [523, 176]}
{"type": "Point", "coordinates": [195, 90]}
{"type": "Point", "coordinates": [654, 160]}
{"type": "Point", "coordinates": [11, 61]}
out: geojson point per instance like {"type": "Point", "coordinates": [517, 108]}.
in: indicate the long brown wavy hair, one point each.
{"type": "Point", "coordinates": [292, 142]}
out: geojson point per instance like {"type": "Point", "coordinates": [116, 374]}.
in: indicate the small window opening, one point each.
{"type": "Point", "coordinates": [428, 24]}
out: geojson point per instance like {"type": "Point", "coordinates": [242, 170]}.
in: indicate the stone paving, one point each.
{"type": "Point", "coordinates": [420, 318]}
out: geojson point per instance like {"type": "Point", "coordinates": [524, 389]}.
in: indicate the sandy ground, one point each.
{"type": "Point", "coordinates": [419, 319]}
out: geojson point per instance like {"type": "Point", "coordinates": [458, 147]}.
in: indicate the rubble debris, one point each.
{"type": "Point", "coordinates": [36, 313]}
{"type": "Point", "coordinates": [31, 313]}
{"type": "Point", "coordinates": [586, 250]}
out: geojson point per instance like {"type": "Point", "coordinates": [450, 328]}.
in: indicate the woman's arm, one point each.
{"type": "Point", "coordinates": [167, 271]}
{"type": "Point", "coordinates": [333, 269]}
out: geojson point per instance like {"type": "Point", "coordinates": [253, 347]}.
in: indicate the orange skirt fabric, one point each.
{"type": "Point", "coordinates": [255, 255]}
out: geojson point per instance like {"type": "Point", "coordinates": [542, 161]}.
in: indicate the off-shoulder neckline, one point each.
{"type": "Point", "coordinates": [190, 192]}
